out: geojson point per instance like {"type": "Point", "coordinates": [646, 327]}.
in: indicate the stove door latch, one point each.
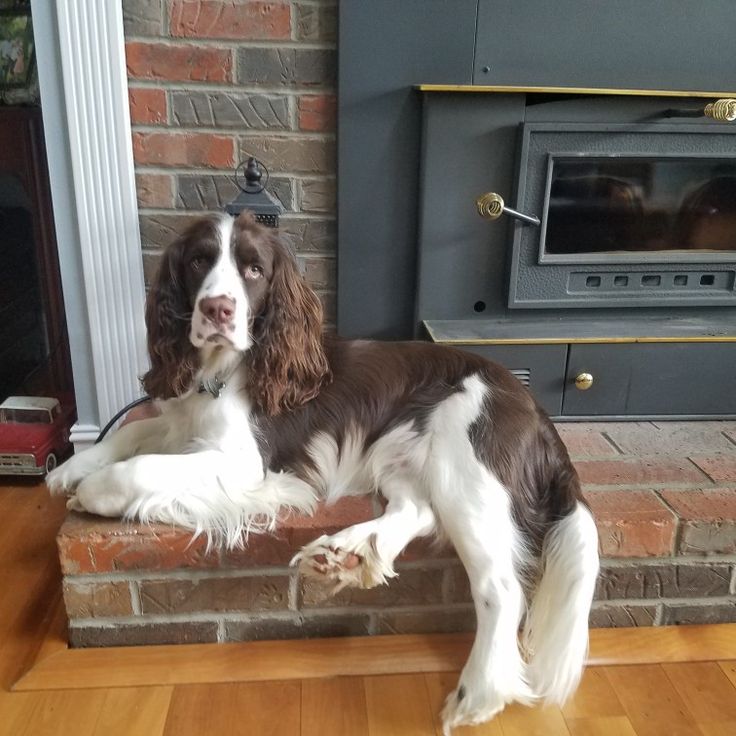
{"type": "Point", "coordinates": [491, 206]}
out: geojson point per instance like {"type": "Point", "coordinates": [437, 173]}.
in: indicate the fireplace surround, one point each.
{"type": "Point", "coordinates": [620, 304]}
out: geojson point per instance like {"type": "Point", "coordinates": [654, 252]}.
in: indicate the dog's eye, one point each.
{"type": "Point", "coordinates": [197, 263]}
{"type": "Point", "coordinates": [254, 271]}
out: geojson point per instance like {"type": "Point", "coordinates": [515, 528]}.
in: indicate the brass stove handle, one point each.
{"type": "Point", "coordinates": [722, 110]}
{"type": "Point", "coordinates": [583, 381]}
{"type": "Point", "coordinates": [491, 206]}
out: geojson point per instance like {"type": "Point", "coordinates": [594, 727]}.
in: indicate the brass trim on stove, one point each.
{"type": "Point", "coordinates": [620, 340]}
{"type": "Point", "coordinates": [511, 89]}
{"type": "Point", "coordinates": [574, 340]}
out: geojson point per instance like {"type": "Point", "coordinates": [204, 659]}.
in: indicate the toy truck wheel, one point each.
{"type": "Point", "coordinates": [50, 462]}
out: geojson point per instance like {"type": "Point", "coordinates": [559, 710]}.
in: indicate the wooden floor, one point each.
{"type": "Point", "coordinates": [671, 698]}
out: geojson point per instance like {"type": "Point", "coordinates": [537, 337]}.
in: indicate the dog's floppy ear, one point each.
{"type": "Point", "coordinates": [173, 357]}
{"type": "Point", "coordinates": [288, 365]}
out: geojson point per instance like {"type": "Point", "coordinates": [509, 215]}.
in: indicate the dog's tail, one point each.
{"type": "Point", "coordinates": [556, 630]}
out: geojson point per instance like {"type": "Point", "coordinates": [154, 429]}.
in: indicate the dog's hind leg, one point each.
{"type": "Point", "coordinates": [479, 523]}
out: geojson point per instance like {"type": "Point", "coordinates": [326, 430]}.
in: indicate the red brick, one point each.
{"type": "Point", "coordinates": [430, 547]}
{"type": "Point", "coordinates": [258, 593]}
{"type": "Point", "coordinates": [120, 635]}
{"type": "Point", "coordinates": [147, 106]}
{"type": "Point", "coordinates": [427, 622]}
{"type": "Point", "coordinates": [260, 550]}
{"type": "Point", "coordinates": [155, 190]}
{"type": "Point", "coordinates": [708, 520]}
{"type": "Point", "coordinates": [632, 523]}
{"type": "Point", "coordinates": [184, 149]}
{"type": "Point", "coordinates": [328, 519]}
{"type": "Point", "coordinates": [703, 505]}
{"type": "Point", "coordinates": [458, 588]}
{"type": "Point", "coordinates": [641, 471]}
{"type": "Point", "coordinates": [311, 625]}
{"type": "Point", "coordinates": [92, 600]}
{"type": "Point", "coordinates": [179, 63]}
{"type": "Point", "coordinates": [88, 544]}
{"type": "Point", "coordinates": [585, 441]}
{"type": "Point", "coordinates": [412, 587]}
{"type": "Point", "coordinates": [633, 580]}
{"type": "Point", "coordinates": [709, 613]}
{"type": "Point", "coordinates": [296, 530]}
{"type": "Point", "coordinates": [720, 468]}
{"type": "Point", "coordinates": [611, 616]}
{"type": "Point", "coordinates": [317, 112]}
{"type": "Point", "coordinates": [247, 21]}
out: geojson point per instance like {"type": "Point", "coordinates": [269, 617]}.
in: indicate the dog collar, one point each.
{"type": "Point", "coordinates": [212, 386]}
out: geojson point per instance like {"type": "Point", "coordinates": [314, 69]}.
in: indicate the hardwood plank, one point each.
{"type": "Point", "coordinates": [398, 705]}
{"type": "Point", "coordinates": [38, 600]}
{"type": "Point", "coordinates": [518, 720]}
{"type": "Point", "coordinates": [235, 709]}
{"type": "Point", "coordinates": [16, 709]}
{"type": "Point", "coordinates": [718, 729]}
{"type": "Point", "coordinates": [134, 710]}
{"type": "Point", "coordinates": [705, 689]}
{"type": "Point", "coordinates": [305, 659]}
{"type": "Point", "coordinates": [439, 684]}
{"type": "Point", "coordinates": [334, 707]}
{"type": "Point", "coordinates": [729, 669]}
{"type": "Point", "coordinates": [651, 702]}
{"type": "Point", "coordinates": [248, 661]}
{"type": "Point", "coordinates": [604, 726]}
{"type": "Point", "coordinates": [654, 644]}
{"type": "Point", "coordinates": [29, 567]}
{"type": "Point", "coordinates": [594, 698]}
{"type": "Point", "coordinates": [65, 713]}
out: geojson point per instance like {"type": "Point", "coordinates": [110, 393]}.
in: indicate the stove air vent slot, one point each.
{"type": "Point", "coordinates": [523, 374]}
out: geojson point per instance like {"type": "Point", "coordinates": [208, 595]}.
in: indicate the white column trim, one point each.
{"type": "Point", "coordinates": [92, 51]}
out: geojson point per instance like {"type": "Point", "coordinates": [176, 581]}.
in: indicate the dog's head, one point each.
{"type": "Point", "coordinates": [228, 288]}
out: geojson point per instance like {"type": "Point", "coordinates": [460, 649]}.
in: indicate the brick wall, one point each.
{"type": "Point", "coordinates": [663, 496]}
{"type": "Point", "coordinates": [212, 81]}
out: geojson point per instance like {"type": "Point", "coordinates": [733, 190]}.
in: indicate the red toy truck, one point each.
{"type": "Point", "coordinates": [34, 434]}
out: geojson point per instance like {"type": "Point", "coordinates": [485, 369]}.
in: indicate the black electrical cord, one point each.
{"type": "Point", "coordinates": [124, 410]}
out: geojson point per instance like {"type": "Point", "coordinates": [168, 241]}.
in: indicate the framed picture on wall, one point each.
{"type": "Point", "coordinates": [17, 50]}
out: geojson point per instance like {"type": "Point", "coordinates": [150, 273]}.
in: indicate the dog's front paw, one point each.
{"type": "Point", "coordinates": [64, 479]}
{"type": "Point", "coordinates": [339, 561]}
{"type": "Point", "coordinates": [105, 492]}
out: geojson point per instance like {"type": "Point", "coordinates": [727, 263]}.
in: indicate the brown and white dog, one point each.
{"type": "Point", "coordinates": [260, 411]}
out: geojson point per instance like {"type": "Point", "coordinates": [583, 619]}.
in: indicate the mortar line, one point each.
{"type": "Point", "coordinates": [673, 601]}
{"type": "Point", "coordinates": [280, 614]}
{"type": "Point", "coordinates": [208, 171]}
{"type": "Point", "coordinates": [611, 441]}
{"type": "Point", "coordinates": [135, 597]}
{"type": "Point", "coordinates": [192, 85]}
{"type": "Point", "coordinates": [216, 43]}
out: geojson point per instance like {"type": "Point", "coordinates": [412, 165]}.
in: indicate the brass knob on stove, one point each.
{"type": "Point", "coordinates": [583, 381]}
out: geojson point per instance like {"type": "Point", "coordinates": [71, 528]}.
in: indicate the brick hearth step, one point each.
{"type": "Point", "coordinates": [668, 557]}
{"type": "Point", "coordinates": [666, 519]}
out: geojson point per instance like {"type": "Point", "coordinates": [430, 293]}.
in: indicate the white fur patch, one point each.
{"type": "Point", "coordinates": [223, 280]}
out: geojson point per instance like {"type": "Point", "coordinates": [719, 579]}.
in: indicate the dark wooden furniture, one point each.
{"type": "Point", "coordinates": [34, 349]}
